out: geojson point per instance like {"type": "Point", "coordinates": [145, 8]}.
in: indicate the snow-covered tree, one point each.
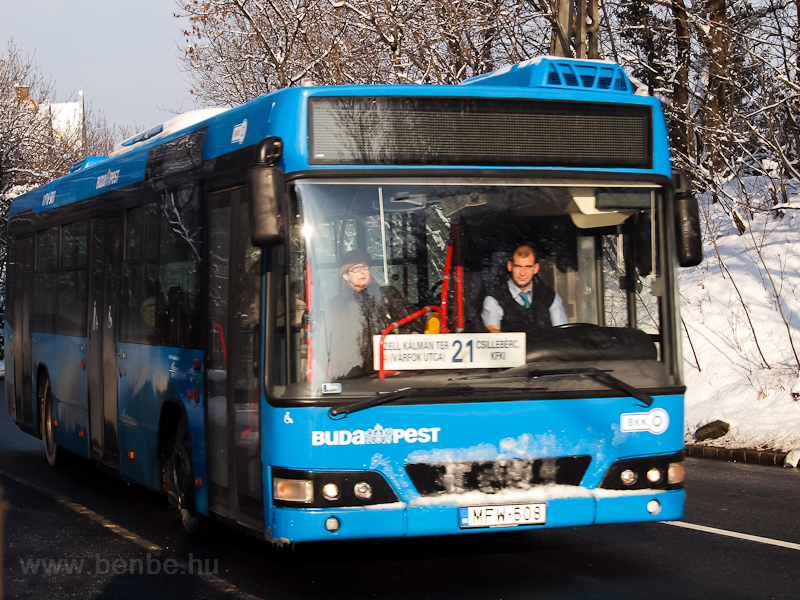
{"type": "Point", "coordinates": [236, 50]}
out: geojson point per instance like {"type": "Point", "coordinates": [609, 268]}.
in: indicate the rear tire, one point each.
{"type": "Point", "coordinates": [51, 449]}
{"type": "Point", "coordinates": [182, 479]}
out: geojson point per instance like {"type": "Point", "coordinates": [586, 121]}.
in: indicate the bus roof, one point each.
{"type": "Point", "coordinates": [281, 113]}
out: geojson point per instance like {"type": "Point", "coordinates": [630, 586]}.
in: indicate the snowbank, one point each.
{"type": "Point", "coordinates": [740, 307]}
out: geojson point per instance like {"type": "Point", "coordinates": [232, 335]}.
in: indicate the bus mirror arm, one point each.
{"type": "Point", "coordinates": [266, 194]}
{"type": "Point", "coordinates": [687, 221]}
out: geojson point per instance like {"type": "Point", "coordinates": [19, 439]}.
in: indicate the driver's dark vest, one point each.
{"type": "Point", "coordinates": [518, 318]}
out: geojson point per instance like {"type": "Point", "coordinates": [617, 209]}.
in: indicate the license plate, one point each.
{"type": "Point", "coordinates": [508, 515]}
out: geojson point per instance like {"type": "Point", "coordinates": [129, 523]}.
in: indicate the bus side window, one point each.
{"type": "Point", "coordinates": [45, 298]}
{"type": "Point", "coordinates": [179, 264]}
{"type": "Point", "coordinates": [140, 272]}
{"type": "Point", "coordinates": [72, 278]}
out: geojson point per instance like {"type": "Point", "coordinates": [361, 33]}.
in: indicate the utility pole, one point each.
{"type": "Point", "coordinates": [83, 122]}
{"type": "Point", "coordinates": [576, 28]}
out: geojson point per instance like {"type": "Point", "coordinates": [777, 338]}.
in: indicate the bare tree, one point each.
{"type": "Point", "coordinates": [236, 50]}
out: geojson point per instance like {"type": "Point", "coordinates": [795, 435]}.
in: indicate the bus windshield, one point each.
{"type": "Point", "coordinates": [493, 275]}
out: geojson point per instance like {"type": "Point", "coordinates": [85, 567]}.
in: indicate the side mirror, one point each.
{"type": "Point", "coordinates": [687, 221]}
{"type": "Point", "coordinates": [266, 194]}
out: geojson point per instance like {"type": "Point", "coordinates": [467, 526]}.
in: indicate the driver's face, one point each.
{"type": "Point", "coordinates": [522, 270]}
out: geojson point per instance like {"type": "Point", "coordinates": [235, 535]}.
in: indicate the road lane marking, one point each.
{"type": "Point", "coordinates": [213, 580]}
{"type": "Point", "coordinates": [86, 512]}
{"type": "Point", "coordinates": [734, 534]}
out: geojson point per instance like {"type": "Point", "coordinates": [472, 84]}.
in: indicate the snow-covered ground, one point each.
{"type": "Point", "coordinates": [741, 308]}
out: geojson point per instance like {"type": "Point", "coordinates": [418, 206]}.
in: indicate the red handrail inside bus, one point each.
{"type": "Point", "coordinates": [445, 281]}
{"type": "Point", "coordinates": [218, 327]}
{"type": "Point", "coordinates": [455, 240]}
{"type": "Point", "coordinates": [249, 429]}
{"type": "Point", "coordinates": [400, 323]}
{"type": "Point", "coordinates": [460, 327]}
{"type": "Point", "coordinates": [308, 322]}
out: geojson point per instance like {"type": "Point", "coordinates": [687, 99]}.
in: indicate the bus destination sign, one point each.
{"type": "Point", "coordinates": [406, 352]}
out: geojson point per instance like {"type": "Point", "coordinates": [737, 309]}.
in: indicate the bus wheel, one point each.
{"type": "Point", "coordinates": [48, 426]}
{"type": "Point", "coordinates": [183, 481]}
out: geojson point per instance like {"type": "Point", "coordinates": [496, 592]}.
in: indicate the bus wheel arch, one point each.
{"type": "Point", "coordinates": [47, 420]}
{"type": "Point", "coordinates": [177, 466]}
{"type": "Point", "coordinates": [171, 415]}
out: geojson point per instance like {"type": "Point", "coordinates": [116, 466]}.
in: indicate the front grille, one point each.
{"type": "Point", "coordinates": [493, 476]}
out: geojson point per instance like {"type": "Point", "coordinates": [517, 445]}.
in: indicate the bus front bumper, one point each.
{"type": "Point", "coordinates": [399, 519]}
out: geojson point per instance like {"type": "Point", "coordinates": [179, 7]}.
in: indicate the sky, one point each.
{"type": "Point", "coordinates": [123, 54]}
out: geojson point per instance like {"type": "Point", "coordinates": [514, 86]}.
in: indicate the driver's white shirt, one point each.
{"type": "Point", "coordinates": [492, 313]}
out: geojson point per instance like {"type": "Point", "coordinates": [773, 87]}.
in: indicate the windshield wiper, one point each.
{"type": "Point", "coordinates": [376, 400]}
{"type": "Point", "coordinates": [591, 372]}
{"type": "Point", "coordinates": [597, 375]}
{"type": "Point", "coordinates": [338, 412]}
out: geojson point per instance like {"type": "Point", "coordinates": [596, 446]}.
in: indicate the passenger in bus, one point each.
{"type": "Point", "coordinates": [360, 311]}
{"type": "Point", "coordinates": [148, 313]}
{"type": "Point", "coordinates": [525, 302]}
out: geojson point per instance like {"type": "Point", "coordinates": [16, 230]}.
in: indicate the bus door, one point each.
{"type": "Point", "coordinates": [233, 446]}
{"type": "Point", "coordinates": [101, 352]}
{"type": "Point", "coordinates": [23, 300]}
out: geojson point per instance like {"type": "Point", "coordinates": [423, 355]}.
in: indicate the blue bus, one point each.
{"type": "Point", "coordinates": [307, 316]}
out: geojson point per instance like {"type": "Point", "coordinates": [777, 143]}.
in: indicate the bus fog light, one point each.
{"type": "Point", "coordinates": [627, 477]}
{"type": "Point", "coordinates": [653, 507]}
{"type": "Point", "coordinates": [330, 491]}
{"type": "Point", "coordinates": [293, 490]}
{"type": "Point", "coordinates": [332, 524]}
{"type": "Point", "coordinates": [676, 473]}
{"type": "Point", "coordinates": [363, 490]}
{"type": "Point", "coordinates": [654, 476]}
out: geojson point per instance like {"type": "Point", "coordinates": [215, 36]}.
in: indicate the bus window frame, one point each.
{"type": "Point", "coordinates": [666, 264]}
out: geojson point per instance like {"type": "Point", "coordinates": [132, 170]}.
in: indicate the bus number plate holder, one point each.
{"type": "Point", "coordinates": [507, 515]}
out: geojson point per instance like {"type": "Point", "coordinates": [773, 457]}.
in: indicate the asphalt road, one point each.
{"type": "Point", "coordinates": [79, 514]}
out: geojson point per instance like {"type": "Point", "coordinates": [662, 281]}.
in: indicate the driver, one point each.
{"type": "Point", "coordinates": [526, 302]}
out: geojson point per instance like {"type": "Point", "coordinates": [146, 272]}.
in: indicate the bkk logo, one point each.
{"type": "Point", "coordinates": [376, 435]}
{"type": "Point", "coordinates": [656, 421]}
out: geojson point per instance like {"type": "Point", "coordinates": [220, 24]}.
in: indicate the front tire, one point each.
{"type": "Point", "coordinates": [182, 477]}
{"type": "Point", "coordinates": [51, 449]}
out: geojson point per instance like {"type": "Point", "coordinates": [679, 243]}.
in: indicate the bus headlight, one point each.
{"type": "Point", "coordinates": [293, 490]}
{"type": "Point", "coordinates": [627, 477]}
{"type": "Point", "coordinates": [330, 491]}
{"type": "Point", "coordinates": [660, 472]}
{"type": "Point", "coordinates": [363, 490]}
{"type": "Point", "coordinates": [654, 476]}
{"type": "Point", "coordinates": [676, 473]}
